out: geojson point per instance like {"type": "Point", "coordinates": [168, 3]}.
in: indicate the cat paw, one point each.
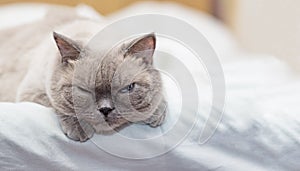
{"type": "Point", "coordinates": [155, 122]}
{"type": "Point", "coordinates": [76, 130]}
{"type": "Point", "coordinates": [158, 116]}
{"type": "Point", "coordinates": [79, 134]}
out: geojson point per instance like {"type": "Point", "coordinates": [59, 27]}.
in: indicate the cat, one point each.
{"type": "Point", "coordinates": [92, 93]}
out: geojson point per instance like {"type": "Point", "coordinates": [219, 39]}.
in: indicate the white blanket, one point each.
{"type": "Point", "coordinates": [260, 129]}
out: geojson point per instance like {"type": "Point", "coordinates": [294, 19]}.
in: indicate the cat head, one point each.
{"type": "Point", "coordinates": [108, 91]}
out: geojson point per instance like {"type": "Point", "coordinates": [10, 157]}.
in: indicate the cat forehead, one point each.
{"type": "Point", "coordinates": [103, 66]}
{"type": "Point", "coordinates": [99, 67]}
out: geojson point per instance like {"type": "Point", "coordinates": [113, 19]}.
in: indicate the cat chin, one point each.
{"type": "Point", "coordinates": [106, 128]}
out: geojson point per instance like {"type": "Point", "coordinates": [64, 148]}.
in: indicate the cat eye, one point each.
{"type": "Point", "coordinates": [128, 88]}
{"type": "Point", "coordinates": [83, 90]}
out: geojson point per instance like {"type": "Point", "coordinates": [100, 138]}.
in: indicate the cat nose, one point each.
{"type": "Point", "coordinates": [105, 110]}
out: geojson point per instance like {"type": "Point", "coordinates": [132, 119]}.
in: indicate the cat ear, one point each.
{"type": "Point", "coordinates": [69, 49]}
{"type": "Point", "coordinates": [143, 47]}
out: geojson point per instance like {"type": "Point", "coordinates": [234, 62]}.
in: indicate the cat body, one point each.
{"type": "Point", "coordinates": [89, 92]}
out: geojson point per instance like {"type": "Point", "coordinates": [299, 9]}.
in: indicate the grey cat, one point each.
{"type": "Point", "coordinates": [102, 94]}
{"type": "Point", "coordinates": [90, 92]}
{"type": "Point", "coordinates": [93, 93]}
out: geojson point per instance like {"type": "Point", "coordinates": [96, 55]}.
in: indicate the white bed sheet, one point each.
{"type": "Point", "coordinates": [260, 129]}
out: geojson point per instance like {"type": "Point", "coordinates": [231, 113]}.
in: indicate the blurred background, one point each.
{"type": "Point", "coordinates": [269, 26]}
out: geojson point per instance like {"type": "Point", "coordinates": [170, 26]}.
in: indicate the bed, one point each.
{"type": "Point", "coordinates": [259, 130]}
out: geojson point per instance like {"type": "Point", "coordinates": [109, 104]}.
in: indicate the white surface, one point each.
{"type": "Point", "coordinates": [260, 129]}
{"type": "Point", "coordinates": [9, 13]}
{"type": "Point", "coordinates": [13, 15]}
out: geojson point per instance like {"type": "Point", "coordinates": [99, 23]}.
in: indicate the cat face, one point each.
{"type": "Point", "coordinates": [108, 91]}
